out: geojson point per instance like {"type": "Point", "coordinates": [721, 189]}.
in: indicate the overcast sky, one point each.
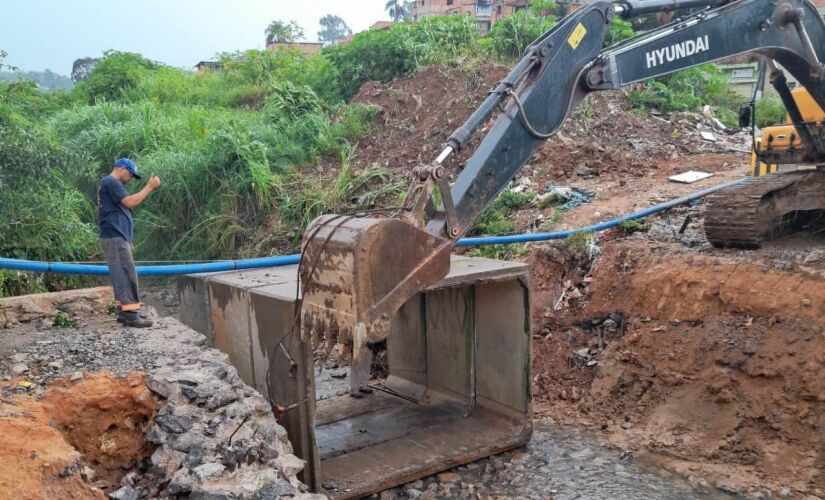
{"type": "Point", "coordinates": [40, 34]}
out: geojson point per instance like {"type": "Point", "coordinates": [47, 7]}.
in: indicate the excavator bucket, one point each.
{"type": "Point", "coordinates": [457, 330]}
{"type": "Point", "coordinates": [356, 272]}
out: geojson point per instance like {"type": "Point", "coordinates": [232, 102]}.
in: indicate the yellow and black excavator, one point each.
{"type": "Point", "coordinates": [358, 269]}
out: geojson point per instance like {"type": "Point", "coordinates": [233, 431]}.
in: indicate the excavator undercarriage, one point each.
{"type": "Point", "coordinates": [761, 208]}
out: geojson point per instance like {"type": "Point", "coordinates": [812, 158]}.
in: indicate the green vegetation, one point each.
{"type": "Point", "coordinates": [770, 110]}
{"type": "Point", "coordinates": [577, 242]}
{"type": "Point", "coordinates": [62, 320]}
{"type": "Point", "coordinates": [689, 90]}
{"type": "Point", "coordinates": [495, 220]}
{"type": "Point", "coordinates": [231, 146]}
{"type": "Point", "coordinates": [634, 226]}
{"type": "Point", "coordinates": [382, 55]}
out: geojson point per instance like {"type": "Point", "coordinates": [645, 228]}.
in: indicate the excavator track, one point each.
{"type": "Point", "coordinates": [745, 215]}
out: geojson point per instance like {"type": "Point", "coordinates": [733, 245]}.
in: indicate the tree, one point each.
{"type": "Point", "coordinates": [398, 10]}
{"type": "Point", "coordinates": [281, 32]}
{"type": "Point", "coordinates": [81, 68]}
{"type": "Point", "coordinates": [3, 55]}
{"type": "Point", "coordinates": [333, 28]}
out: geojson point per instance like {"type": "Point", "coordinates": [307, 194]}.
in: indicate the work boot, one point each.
{"type": "Point", "coordinates": [134, 319]}
{"type": "Point", "coordinates": [121, 315]}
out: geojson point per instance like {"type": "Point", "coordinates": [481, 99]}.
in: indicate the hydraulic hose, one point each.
{"type": "Point", "coordinates": [285, 260]}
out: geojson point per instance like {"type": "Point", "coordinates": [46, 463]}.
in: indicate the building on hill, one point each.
{"type": "Point", "coordinates": [208, 66]}
{"type": "Point", "coordinates": [486, 12]}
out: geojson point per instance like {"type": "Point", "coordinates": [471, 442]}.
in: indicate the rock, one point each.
{"type": "Point", "coordinates": [160, 386]}
{"type": "Point", "coordinates": [584, 352]}
{"type": "Point", "coordinates": [57, 364]}
{"type": "Point", "coordinates": [189, 442]}
{"type": "Point", "coordinates": [189, 393]}
{"type": "Point", "coordinates": [206, 471]}
{"type": "Point", "coordinates": [124, 493]}
{"type": "Point", "coordinates": [221, 398]}
{"type": "Point", "coordinates": [166, 461]}
{"type": "Point", "coordinates": [181, 482]}
{"type": "Point", "coordinates": [156, 435]}
{"type": "Point", "coordinates": [582, 454]}
{"type": "Point", "coordinates": [192, 459]}
{"type": "Point", "coordinates": [749, 349]}
{"type": "Point", "coordinates": [339, 373]}
{"type": "Point", "coordinates": [610, 325]}
{"type": "Point", "coordinates": [171, 423]}
{"type": "Point", "coordinates": [19, 368]}
{"type": "Point", "coordinates": [785, 492]}
{"type": "Point", "coordinates": [448, 477]}
{"type": "Point", "coordinates": [19, 357]}
{"type": "Point", "coordinates": [273, 491]}
{"type": "Point", "coordinates": [413, 493]}
{"type": "Point", "coordinates": [162, 361]}
{"type": "Point", "coordinates": [289, 465]}
{"type": "Point", "coordinates": [75, 376]}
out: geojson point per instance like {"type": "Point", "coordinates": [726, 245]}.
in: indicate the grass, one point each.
{"type": "Point", "coordinates": [577, 242]}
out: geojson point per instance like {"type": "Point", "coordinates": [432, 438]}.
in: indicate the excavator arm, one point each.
{"type": "Point", "coordinates": [358, 269]}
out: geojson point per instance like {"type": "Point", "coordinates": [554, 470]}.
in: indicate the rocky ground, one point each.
{"type": "Point", "coordinates": [132, 413]}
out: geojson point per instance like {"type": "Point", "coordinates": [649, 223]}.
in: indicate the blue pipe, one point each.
{"type": "Point", "coordinates": [285, 260]}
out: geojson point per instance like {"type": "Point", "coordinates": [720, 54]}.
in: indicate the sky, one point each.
{"type": "Point", "coordinates": [40, 34]}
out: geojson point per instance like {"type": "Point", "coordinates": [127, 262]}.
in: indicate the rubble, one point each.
{"type": "Point", "coordinates": [212, 436]}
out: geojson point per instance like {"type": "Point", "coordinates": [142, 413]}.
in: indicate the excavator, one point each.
{"type": "Point", "coordinates": [358, 269]}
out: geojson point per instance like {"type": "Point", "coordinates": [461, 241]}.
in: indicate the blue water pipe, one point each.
{"type": "Point", "coordinates": [285, 260]}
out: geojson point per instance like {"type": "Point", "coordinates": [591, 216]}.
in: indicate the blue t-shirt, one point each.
{"type": "Point", "coordinates": [115, 219]}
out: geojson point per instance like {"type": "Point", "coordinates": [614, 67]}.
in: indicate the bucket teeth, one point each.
{"type": "Point", "coordinates": [357, 272]}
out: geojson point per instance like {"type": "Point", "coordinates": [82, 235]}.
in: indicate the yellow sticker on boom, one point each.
{"type": "Point", "coordinates": [577, 36]}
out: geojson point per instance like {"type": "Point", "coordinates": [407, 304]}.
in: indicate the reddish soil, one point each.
{"type": "Point", "coordinates": [48, 445]}
{"type": "Point", "coordinates": [715, 369]}
{"type": "Point", "coordinates": [418, 113]}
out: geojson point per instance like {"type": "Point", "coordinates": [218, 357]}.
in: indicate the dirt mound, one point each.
{"type": "Point", "coordinates": [643, 281]}
{"type": "Point", "coordinates": [603, 137]}
{"type": "Point", "coordinates": [418, 113]}
{"type": "Point", "coordinates": [47, 445]}
{"type": "Point", "coordinates": [695, 370]}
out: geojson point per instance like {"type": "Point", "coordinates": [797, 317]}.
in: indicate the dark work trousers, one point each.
{"type": "Point", "coordinates": [118, 254]}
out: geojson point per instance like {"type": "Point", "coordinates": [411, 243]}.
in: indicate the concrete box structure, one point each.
{"type": "Point", "coordinates": [458, 389]}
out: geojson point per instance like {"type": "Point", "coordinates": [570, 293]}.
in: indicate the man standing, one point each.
{"type": "Point", "coordinates": [115, 206]}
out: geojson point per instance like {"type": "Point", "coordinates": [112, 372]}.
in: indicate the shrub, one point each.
{"type": "Point", "coordinates": [511, 35]}
{"type": "Point", "coordinates": [382, 55]}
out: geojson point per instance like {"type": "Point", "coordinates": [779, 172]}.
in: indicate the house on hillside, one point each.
{"type": "Point", "coordinates": [307, 48]}
{"type": "Point", "coordinates": [486, 12]}
{"type": "Point", "coordinates": [208, 66]}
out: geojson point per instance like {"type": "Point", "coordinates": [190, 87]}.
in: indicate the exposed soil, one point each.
{"type": "Point", "coordinates": [48, 444]}
{"type": "Point", "coordinates": [105, 418]}
{"type": "Point", "coordinates": [710, 364]}
{"type": "Point", "coordinates": [418, 113]}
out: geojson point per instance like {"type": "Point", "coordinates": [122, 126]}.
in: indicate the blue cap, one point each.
{"type": "Point", "coordinates": [128, 165]}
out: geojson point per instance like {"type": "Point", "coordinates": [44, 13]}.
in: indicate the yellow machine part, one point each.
{"type": "Point", "coordinates": [779, 137]}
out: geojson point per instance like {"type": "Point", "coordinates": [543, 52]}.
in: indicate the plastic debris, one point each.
{"type": "Point", "coordinates": [571, 197]}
